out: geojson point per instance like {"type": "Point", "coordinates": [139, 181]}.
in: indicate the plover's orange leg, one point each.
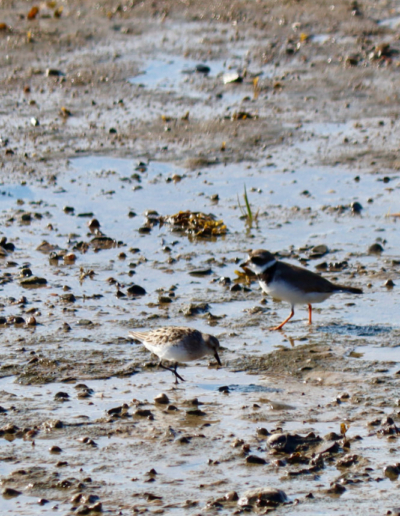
{"type": "Point", "coordinates": [309, 314]}
{"type": "Point", "coordinates": [284, 322]}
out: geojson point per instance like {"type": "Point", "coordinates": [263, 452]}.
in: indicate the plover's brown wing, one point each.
{"type": "Point", "coordinates": [303, 279]}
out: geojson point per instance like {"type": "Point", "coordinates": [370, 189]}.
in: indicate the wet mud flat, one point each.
{"type": "Point", "coordinates": [108, 115]}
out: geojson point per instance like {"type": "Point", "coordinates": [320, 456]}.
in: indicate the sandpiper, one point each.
{"type": "Point", "coordinates": [290, 283]}
{"type": "Point", "coordinates": [178, 344]}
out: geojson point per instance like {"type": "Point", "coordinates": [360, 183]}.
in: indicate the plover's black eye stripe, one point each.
{"type": "Point", "coordinates": [257, 260]}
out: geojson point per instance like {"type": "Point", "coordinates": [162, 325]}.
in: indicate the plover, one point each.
{"type": "Point", "coordinates": [178, 344]}
{"type": "Point", "coordinates": [290, 283]}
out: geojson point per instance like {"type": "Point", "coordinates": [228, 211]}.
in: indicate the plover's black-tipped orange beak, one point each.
{"type": "Point", "coordinates": [244, 264]}
{"type": "Point", "coordinates": [217, 358]}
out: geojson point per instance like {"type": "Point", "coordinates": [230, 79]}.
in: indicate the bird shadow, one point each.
{"type": "Point", "coordinates": [356, 330]}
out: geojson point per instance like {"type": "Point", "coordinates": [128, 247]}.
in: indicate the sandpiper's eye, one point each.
{"type": "Point", "coordinates": [257, 260]}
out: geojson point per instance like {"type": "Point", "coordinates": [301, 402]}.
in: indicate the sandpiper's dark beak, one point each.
{"type": "Point", "coordinates": [217, 358]}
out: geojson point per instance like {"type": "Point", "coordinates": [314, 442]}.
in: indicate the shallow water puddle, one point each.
{"type": "Point", "coordinates": [101, 185]}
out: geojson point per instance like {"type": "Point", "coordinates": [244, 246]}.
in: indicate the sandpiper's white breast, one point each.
{"type": "Point", "coordinates": [181, 352]}
{"type": "Point", "coordinates": [282, 290]}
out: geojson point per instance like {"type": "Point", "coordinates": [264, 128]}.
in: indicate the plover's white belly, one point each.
{"type": "Point", "coordinates": [281, 290]}
{"type": "Point", "coordinates": [175, 353]}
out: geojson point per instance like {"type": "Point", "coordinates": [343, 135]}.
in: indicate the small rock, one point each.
{"type": "Point", "coordinates": [52, 72]}
{"type": "Point", "coordinates": [31, 321]}
{"type": "Point", "coordinates": [201, 68]}
{"type": "Point", "coordinates": [336, 489]}
{"type": "Point", "coordinates": [93, 224]}
{"type": "Point", "coordinates": [231, 77]}
{"type": "Point", "coordinates": [136, 290]}
{"type": "Point", "coordinates": [55, 449]}
{"type": "Point", "coordinates": [61, 396]}
{"type": "Point", "coordinates": [68, 298]}
{"type": "Point", "coordinates": [389, 284]}
{"type": "Point", "coordinates": [391, 472]}
{"type": "Point", "coordinates": [375, 249]}
{"type": "Point", "coordinates": [318, 251]}
{"type": "Point", "coordinates": [161, 399]}
{"type": "Point", "coordinates": [263, 497]}
{"type": "Point", "coordinates": [183, 440]}
{"type": "Point", "coordinates": [195, 412]}
{"type": "Point", "coordinates": [332, 436]}
{"type": "Point", "coordinates": [33, 281]}
{"type": "Point", "coordinates": [195, 309]}
{"type": "Point", "coordinates": [232, 496]}
{"type": "Point", "coordinates": [200, 272]}
{"type": "Point", "coordinates": [8, 492]}
{"type": "Point", "coordinates": [262, 432]}
{"type": "Point", "coordinates": [254, 459]}
{"type": "Point", "coordinates": [143, 413]}
{"type": "Point", "coordinates": [356, 208]}
{"type": "Point", "coordinates": [164, 299]}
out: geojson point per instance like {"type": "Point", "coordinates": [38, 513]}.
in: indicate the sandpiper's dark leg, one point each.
{"type": "Point", "coordinates": [173, 370]}
{"type": "Point", "coordinates": [176, 374]}
{"type": "Point", "coordinates": [309, 314]}
{"type": "Point", "coordinates": [284, 322]}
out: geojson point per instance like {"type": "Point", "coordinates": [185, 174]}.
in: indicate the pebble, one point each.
{"type": "Point", "coordinates": [336, 489]}
{"type": "Point", "coordinates": [195, 412]}
{"type": "Point", "coordinates": [267, 494]}
{"type": "Point", "coordinates": [142, 413]}
{"type": "Point", "coordinates": [31, 321]}
{"type": "Point", "coordinates": [201, 68]}
{"type": "Point", "coordinates": [200, 272]}
{"type": "Point", "coordinates": [61, 396]}
{"type": "Point", "coordinates": [391, 471]}
{"type": "Point", "coordinates": [375, 249]}
{"type": "Point", "coordinates": [93, 224]}
{"type": "Point", "coordinates": [254, 459]}
{"type": "Point", "coordinates": [69, 258]}
{"type": "Point", "coordinates": [318, 251]}
{"type": "Point", "coordinates": [33, 281]}
{"type": "Point", "coordinates": [8, 492]}
{"type": "Point", "coordinates": [55, 449]}
{"type": "Point", "coordinates": [195, 309]}
{"type": "Point", "coordinates": [161, 399]}
{"type": "Point", "coordinates": [389, 284]}
{"type": "Point", "coordinates": [232, 496]}
{"type": "Point", "coordinates": [68, 298]}
{"type": "Point", "coordinates": [136, 290]}
{"type": "Point", "coordinates": [262, 432]}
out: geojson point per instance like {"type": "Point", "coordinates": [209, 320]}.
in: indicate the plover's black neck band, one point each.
{"type": "Point", "coordinates": [268, 274]}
